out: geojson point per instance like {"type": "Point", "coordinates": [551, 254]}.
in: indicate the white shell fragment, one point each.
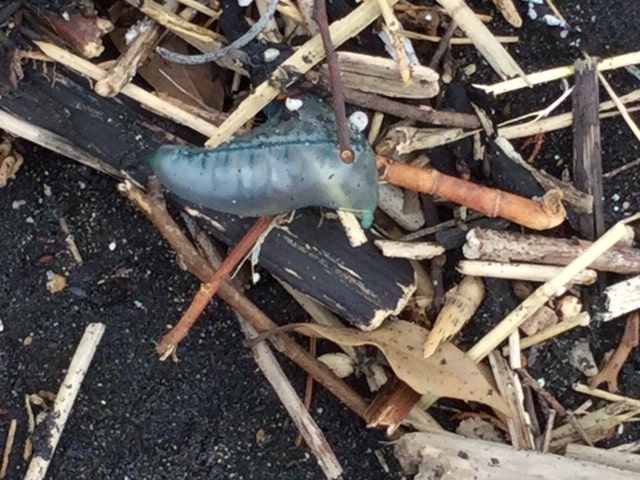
{"type": "Point", "coordinates": [339, 363]}
{"type": "Point", "coordinates": [270, 54]}
{"type": "Point", "coordinates": [359, 120]}
{"type": "Point", "coordinates": [293, 104]}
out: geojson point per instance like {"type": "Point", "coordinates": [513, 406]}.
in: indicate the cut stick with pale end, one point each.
{"type": "Point", "coordinates": [311, 433]}
{"type": "Point", "coordinates": [460, 303]}
{"type": "Point", "coordinates": [67, 394]}
{"type": "Point", "coordinates": [521, 271]}
{"type": "Point", "coordinates": [352, 228]}
{"type": "Point", "coordinates": [541, 295]}
{"type": "Point", "coordinates": [505, 247]}
{"type": "Point", "coordinates": [622, 297]}
{"type": "Point", "coordinates": [412, 250]}
{"type": "Point", "coordinates": [303, 60]}
{"type": "Point", "coordinates": [493, 52]}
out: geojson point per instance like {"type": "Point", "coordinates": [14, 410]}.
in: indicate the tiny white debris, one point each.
{"type": "Point", "coordinates": [541, 381]}
{"type": "Point", "coordinates": [82, 185]}
{"type": "Point", "coordinates": [66, 16]}
{"type": "Point", "coordinates": [30, 220]}
{"type": "Point", "coordinates": [270, 54]}
{"type": "Point", "coordinates": [615, 197]}
{"type": "Point", "coordinates": [293, 104]}
{"type": "Point", "coordinates": [47, 190]}
{"type": "Point", "coordinates": [255, 277]}
{"type": "Point", "coordinates": [339, 363]}
{"type": "Point", "coordinates": [18, 203]}
{"type": "Point", "coordinates": [245, 3]}
{"type": "Point", "coordinates": [135, 29]}
{"type": "Point", "coordinates": [1, 326]}
{"type": "Point", "coordinates": [359, 120]}
{"type": "Point", "coordinates": [112, 246]}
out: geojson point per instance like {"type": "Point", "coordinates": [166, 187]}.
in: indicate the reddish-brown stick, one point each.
{"type": "Point", "coordinates": [208, 289]}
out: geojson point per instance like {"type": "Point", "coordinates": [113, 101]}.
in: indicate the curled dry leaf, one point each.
{"type": "Point", "coordinates": [447, 373]}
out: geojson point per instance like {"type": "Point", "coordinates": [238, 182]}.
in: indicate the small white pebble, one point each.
{"type": "Point", "coordinates": [30, 220]}
{"type": "Point", "coordinates": [270, 54]}
{"type": "Point", "coordinates": [82, 185]}
{"type": "Point", "coordinates": [625, 205]}
{"type": "Point", "coordinates": [293, 104]}
{"type": "Point", "coordinates": [615, 197]}
{"type": "Point", "coordinates": [47, 190]}
{"type": "Point", "coordinates": [255, 277]}
{"type": "Point", "coordinates": [359, 120]}
{"type": "Point", "coordinates": [112, 246]}
{"type": "Point", "coordinates": [18, 203]}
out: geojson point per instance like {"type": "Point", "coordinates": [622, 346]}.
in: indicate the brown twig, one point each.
{"type": "Point", "coordinates": [8, 446]}
{"type": "Point", "coordinates": [404, 110]}
{"type": "Point", "coordinates": [628, 342]}
{"type": "Point", "coordinates": [339, 109]}
{"type": "Point", "coordinates": [492, 202]}
{"type": "Point", "coordinates": [308, 388]}
{"type": "Point", "coordinates": [207, 290]}
{"type": "Point", "coordinates": [443, 45]}
{"type": "Point", "coordinates": [192, 261]}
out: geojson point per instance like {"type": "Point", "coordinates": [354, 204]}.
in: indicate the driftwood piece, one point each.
{"type": "Point", "coordinates": [520, 271]}
{"type": "Point", "coordinates": [118, 134]}
{"type": "Point", "coordinates": [83, 34]}
{"type": "Point", "coordinates": [483, 244]}
{"type": "Point", "coordinates": [611, 458]}
{"type": "Point", "coordinates": [587, 157]}
{"type": "Point", "coordinates": [452, 457]}
{"type": "Point", "coordinates": [622, 297]}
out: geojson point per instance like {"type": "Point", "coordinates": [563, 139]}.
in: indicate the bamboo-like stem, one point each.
{"type": "Point", "coordinates": [492, 202]}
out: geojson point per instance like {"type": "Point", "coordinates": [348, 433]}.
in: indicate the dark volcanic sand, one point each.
{"type": "Point", "coordinates": [138, 418]}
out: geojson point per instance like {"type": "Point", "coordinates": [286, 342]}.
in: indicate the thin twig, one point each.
{"type": "Point", "coordinates": [337, 93]}
{"type": "Point", "coordinates": [207, 290]}
{"type": "Point", "coordinates": [232, 48]}
{"type": "Point", "coordinates": [443, 45]}
{"type": "Point", "coordinates": [308, 388]}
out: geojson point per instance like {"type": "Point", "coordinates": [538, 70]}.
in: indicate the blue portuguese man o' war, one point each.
{"type": "Point", "coordinates": [289, 162]}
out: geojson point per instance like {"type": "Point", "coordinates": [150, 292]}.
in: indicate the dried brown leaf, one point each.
{"type": "Point", "coordinates": [448, 373]}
